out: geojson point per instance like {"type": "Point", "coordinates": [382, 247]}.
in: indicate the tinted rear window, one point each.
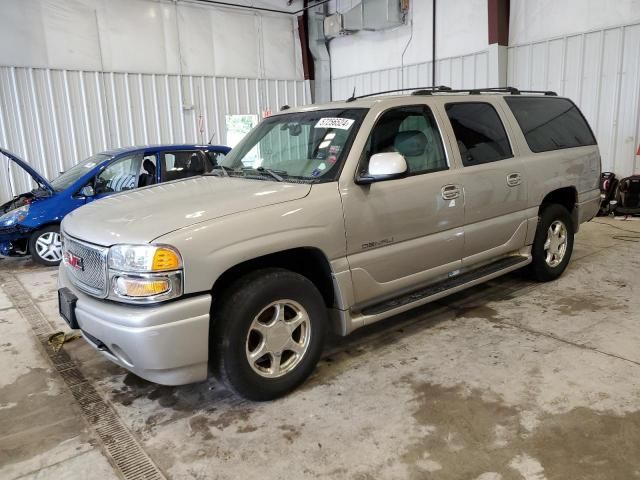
{"type": "Point", "coordinates": [550, 123]}
{"type": "Point", "coordinates": [479, 132]}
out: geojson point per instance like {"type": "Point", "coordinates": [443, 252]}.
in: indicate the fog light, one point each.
{"type": "Point", "coordinates": [141, 287]}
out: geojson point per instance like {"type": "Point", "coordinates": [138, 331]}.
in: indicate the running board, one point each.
{"type": "Point", "coordinates": [439, 290]}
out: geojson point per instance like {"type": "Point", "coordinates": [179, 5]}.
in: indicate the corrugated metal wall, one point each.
{"type": "Point", "coordinates": [600, 71]}
{"type": "Point", "coordinates": [54, 118]}
{"type": "Point", "coordinates": [466, 71]}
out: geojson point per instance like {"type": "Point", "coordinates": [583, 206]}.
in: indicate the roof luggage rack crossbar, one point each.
{"type": "Point", "coordinates": [417, 91]}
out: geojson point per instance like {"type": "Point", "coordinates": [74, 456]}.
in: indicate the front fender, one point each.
{"type": "Point", "coordinates": [210, 249]}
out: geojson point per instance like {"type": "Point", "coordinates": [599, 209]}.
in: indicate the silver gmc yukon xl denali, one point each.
{"type": "Point", "coordinates": [327, 217]}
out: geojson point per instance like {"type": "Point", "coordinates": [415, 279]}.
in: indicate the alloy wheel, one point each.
{"type": "Point", "coordinates": [49, 247]}
{"type": "Point", "coordinates": [555, 246]}
{"type": "Point", "coordinates": [278, 338]}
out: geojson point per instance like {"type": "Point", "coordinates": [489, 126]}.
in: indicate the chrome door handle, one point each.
{"type": "Point", "coordinates": [450, 192]}
{"type": "Point", "coordinates": [514, 179]}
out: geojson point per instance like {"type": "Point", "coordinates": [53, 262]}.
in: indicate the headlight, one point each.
{"type": "Point", "coordinates": [144, 273]}
{"type": "Point", "coordinates": [144, 258]}
{"type": "Point", "coordinates": [14, 216]}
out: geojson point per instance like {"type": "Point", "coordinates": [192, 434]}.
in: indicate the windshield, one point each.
{"type": "Point", "coordinates": [308, 147]}
{"type": "Point", "coordinates": [68, 178]}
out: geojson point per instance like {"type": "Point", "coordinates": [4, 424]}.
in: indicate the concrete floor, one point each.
{"type": "Point", "coordinates": [510, 380]}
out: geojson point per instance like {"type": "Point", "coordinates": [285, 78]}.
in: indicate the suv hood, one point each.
{"type": "Point", "coordinates": [142, 215]}
{"type": "Point", "coordinates": [39, 179]}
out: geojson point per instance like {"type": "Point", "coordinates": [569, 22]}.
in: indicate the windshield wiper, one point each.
{"type": "Point", "coordinates": [276, 174]}
{"type": "Point", "coordinates": [272, 173]}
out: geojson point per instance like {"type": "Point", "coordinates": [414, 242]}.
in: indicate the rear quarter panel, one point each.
{"type": "Point", "coordinates": [545, 172]}
{"type": "Point", "coordinates": [570, 167]}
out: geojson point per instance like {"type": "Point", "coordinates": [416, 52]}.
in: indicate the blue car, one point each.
{"type": "Point", "coordinates": [30, 222]}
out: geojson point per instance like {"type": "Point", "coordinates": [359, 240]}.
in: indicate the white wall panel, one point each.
{"type": "Point", "coordinates": [229, 46]}
{"type": "Point", "coordinates": [65, 46]}
{"type": "Point", "coordinates": [21, 25]}
{"type": "Point", "coordinates": [197, 41]}
{"type": "Point", "coordinates": [462, 29]}
{"type": "Point", "coordinates": [600, 71]}
{"type": "Point", "coordinates": [278, 45]}
{"type": "Point", "coordinates": [149, 36]}
{"type": "Point", "coordinates": [533, 21]}
{"type": "Point", "coordinates": [131, 36]}
{"type": "Point", "coordinates": [467, 71]}
{"type": "Point", "coordinates": [54, 118]}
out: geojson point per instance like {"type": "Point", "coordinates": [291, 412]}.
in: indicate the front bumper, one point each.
{"type": "Point", "coordinates": [13, 239]}
{"type": "Point", "coordinates": [166, 343]}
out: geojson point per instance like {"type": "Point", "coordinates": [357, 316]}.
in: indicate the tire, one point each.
{"type": "Point", "coordinates": [551, 259]}
{"type": "Point", "coordinates": [252, 343]}
{"type": "Point", "coordinates": [45, 246]}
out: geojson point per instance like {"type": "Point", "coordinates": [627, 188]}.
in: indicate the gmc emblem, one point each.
{"type": "Point", "coordinates": [74, 261]}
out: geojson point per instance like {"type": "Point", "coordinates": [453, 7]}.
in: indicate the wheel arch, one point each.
{"type": "Point", "coordinates": [309, 262]}
{"type": "Point", "coordinates": [565, 196]}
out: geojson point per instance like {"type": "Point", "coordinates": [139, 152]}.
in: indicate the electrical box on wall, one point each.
{"type": "Point", "coordinates": [333, 25]}
{"type": "Point", "coordinates": [372, 15]}
{"type": "Point", "coordinates": [382, 14]}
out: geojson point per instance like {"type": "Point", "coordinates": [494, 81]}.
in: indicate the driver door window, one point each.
{"type": "Point", "coordinates": [412, 132]}
{"type": "Point", "coordinates": [120, 175]}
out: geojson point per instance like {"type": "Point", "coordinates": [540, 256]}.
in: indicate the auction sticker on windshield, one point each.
{"type": "Point", "coordinates": [340, 123]}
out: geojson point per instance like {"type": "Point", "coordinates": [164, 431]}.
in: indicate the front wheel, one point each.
{"type": "Point", "coordinates": [269, 333]}
{"type": "Point", "coordinates": [553, 244]}
{"type": "Point", "coordinates": [45, 246]}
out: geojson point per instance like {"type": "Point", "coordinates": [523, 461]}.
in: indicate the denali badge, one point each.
{"type": "Point", "coordinates": [74, 261]}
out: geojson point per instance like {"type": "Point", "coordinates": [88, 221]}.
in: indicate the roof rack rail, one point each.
{"type": "Point", "coordinates": [423, 90]}
{"type": "Point", "coordinates": [549, 93]}
{"type": "Point", "coordinates": [510, 90]}
{"type": "Point", "coordinates": [445, 89]}
{"type": "Point", "coordinates": [430, 90]}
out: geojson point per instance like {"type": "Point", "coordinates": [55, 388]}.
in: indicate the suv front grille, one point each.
{"type": "Point", "coordinates": [88, 267]}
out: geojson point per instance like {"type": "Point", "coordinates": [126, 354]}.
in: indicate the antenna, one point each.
{"type": "Point", "coordinates": [211, 139]}
{"type": "Point", "coordinates": [353, 95]}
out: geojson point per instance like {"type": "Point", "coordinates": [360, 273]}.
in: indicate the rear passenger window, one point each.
{"type": "Point", "coordinates": [182, 164]}
{"type": "Point", "coordinates": [550, 123]}
{"type": "Point", "coordinates": [479, 132]}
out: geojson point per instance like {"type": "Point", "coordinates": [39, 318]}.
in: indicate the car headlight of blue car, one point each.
{"type": "Point", "coordinates": [14, 216]}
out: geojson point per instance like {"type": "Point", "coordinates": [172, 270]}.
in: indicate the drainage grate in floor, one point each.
{"type": "Point", "coordinates": [126, 453]}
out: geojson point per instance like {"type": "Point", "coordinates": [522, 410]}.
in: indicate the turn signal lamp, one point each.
{"type": "Point", "coordinates": [165, 259]}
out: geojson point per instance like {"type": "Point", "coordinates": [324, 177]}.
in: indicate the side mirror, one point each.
{"type": "Point", "coordinates": [87, 191]}
{"type": "Point", "coordinates": [384, 166]}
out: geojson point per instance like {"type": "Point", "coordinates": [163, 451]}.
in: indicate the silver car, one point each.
{"type": "Point", "coordinates": [327, 217]}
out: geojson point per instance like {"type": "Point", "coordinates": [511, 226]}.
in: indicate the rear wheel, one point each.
{"type": "Point", "coordinates": [553, 244]}
{"type": "Point", "coordinates": [269, 333]}
{"type": "Point", "coordinates": [45, 246]}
